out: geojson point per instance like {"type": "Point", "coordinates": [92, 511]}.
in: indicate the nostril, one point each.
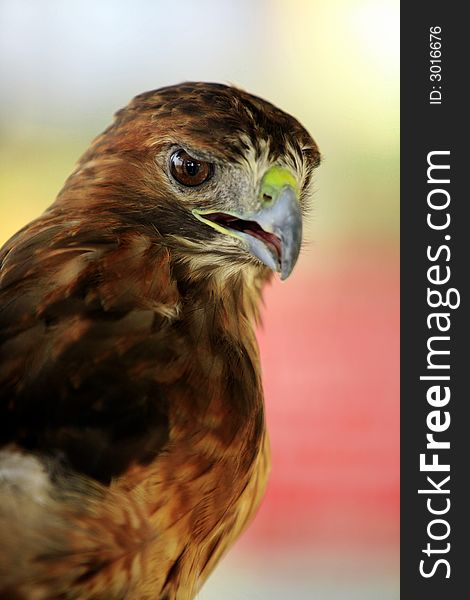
{"type": "Point", "coordinates": [267, 198]}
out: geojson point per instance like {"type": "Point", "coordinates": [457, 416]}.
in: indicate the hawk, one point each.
{"type": "Point", "coordinates": [133, 447]}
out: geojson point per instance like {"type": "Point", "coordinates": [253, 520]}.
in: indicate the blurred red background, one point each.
{"type": "Point", "coordinates": [329, 347]}
{"type": "Point", "coordinates": [329, 524]}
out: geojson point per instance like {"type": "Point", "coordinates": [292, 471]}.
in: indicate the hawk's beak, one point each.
{"type": "Point", "coordinates": [274, 232]}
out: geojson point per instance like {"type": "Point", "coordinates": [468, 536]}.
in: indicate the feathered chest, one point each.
{"type": "Point", "coordinates": [151, 394]}
{"type": "Point", "coordinates": [105, 361]}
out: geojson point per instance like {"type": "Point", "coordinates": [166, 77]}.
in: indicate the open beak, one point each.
{"type": "Point", "coordinates": [274, 232]}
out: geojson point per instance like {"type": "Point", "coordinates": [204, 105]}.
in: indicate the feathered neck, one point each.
{"type": "Point", "coordinates": [234, 294]}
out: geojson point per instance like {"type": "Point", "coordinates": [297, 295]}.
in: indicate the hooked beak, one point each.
{"type": "Point", "coordinates": [274, 232]}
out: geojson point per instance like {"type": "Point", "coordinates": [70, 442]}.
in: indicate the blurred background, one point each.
{"type": "Point", "coordinates": [328, 527]}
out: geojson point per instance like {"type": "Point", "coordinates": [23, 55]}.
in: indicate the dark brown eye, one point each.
{"type": "Point", "coordinates": [188, 170]}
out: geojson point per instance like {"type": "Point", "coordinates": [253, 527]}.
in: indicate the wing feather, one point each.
{"type": "Point", "coordinates": [85, 345]}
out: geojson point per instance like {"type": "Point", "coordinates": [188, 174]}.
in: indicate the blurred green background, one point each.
{"type": "Point", "coordinates": [328, 527]}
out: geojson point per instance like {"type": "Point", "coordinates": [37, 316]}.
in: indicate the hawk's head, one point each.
{"type": "Point", "coordinates": [218, 172]}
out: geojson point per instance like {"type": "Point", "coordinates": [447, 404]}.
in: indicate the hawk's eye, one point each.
{"type": "Point", "coordinates": [188, 170]}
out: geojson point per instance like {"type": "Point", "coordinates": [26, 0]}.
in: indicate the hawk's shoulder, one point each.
{"type": "Point", "coordinates": [85, 343]}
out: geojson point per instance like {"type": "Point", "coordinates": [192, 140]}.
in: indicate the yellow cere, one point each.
{"type": "Point", "coordinates": [275, 179]}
